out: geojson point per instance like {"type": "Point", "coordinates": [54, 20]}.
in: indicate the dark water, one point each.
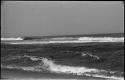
{"type": "Point", "coordinates": [104, 59]}
{"type": "Point", "coordinates": [85, 35]}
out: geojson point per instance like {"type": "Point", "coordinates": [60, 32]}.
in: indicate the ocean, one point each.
{"type": "Point", "coordinates": [99, 57]}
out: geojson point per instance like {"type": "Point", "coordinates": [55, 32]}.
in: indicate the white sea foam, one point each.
{"type": "Point", "coordinates": [79, 40]}
{"type": "Point", "coordinates": [88, 54]}
{"type": "Point", "coordinates": [50, 65]}
{"type": "Point", "coordinates": [7, 39]}
{"type": "Point", "coordinates": [104, 76]}
{"type": "Point", "coordinates": [101, 39]}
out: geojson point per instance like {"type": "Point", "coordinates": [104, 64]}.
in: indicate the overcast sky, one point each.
{"type": "Point", "coordinates": [42, 18]}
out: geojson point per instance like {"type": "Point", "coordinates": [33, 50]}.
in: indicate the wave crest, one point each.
{"type": "Point", "coordinates": [61, 40]}
{"type": "Point", "coordinates": [49, 65]}
{"type": "Point", "coordinates": [101, 39]}
{"type": "Point", "coordinates": [7, 39]}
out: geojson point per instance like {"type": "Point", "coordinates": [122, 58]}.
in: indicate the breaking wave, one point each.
{"type": "Point", "coordinates": [7, 39]}
{"type": "Point", "coordinates": [88, 54]}
{"type": "Point", "coordinates": [101, 39]}
{"type": "Point", "coordinates": [78, 40]}
{"type": "Point", "coordinates": [50, 66]}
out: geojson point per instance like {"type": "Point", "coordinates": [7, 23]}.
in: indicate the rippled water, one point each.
{"type": "Point", "coordinates": [96, 59]}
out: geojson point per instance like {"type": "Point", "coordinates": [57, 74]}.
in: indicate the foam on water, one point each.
{"type": "Point", "coordinates": [101, 39]}
{"type": "Point", "coordinates": [7, 39]}
{"type": "Point", "coordinates": [78, 40]}
{"type": "Point", "coordinates": [50, 66]}
{"type": "Point", "coordinates": [88, 54]}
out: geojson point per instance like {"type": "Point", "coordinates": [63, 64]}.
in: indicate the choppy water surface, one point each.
{"type": "Point", "coordinates": [96, 57]}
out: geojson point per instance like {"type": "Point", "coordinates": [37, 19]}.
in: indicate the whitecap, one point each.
{"type": "Point", "coordinates": [101, 39]}
{"type": "Point", "coordinates": [79, 40]}
{"type": "Point", "coordinates": [88, 54]}
{"type": "Point", "coordinates": [50, 65]}
{"type": "Point", "coordinates": [8, 39]}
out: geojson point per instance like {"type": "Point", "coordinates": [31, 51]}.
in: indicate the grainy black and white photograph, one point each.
{"type": "Point", "coordinates": [62, 40]}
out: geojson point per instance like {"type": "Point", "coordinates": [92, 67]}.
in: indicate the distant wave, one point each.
{"type": "Point", "coordinates": [101, 39]}
{"type": "Point", "coordinates": [49, 65]}
{"type": "Point", "coordinates": [88, 54]}
{"type": "Point", "coordinates": [7, 39]}
{"type": "Point", "coordinates": [78, 40]}
{"type": "Point", "coordinates": [63, 39]}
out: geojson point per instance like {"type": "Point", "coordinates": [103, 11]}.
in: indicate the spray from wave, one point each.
{"type": "Point", "coordinates": [50, 66]}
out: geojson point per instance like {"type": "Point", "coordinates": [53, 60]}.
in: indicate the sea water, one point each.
{"type": "Point", "coordinates": [80, 56]}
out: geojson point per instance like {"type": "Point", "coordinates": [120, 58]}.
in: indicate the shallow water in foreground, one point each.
{"type": "Point", "coordinates": [93, 59]}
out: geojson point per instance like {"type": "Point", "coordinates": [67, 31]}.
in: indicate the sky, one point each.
{"type": "Point", "coordinates": [44, 18]}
